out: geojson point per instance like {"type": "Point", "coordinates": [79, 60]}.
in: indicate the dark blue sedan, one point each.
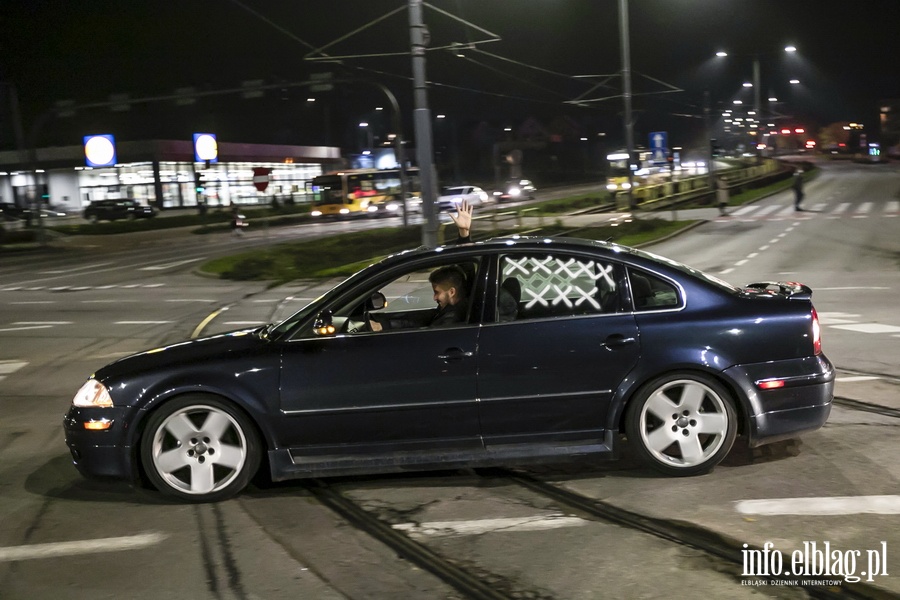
{"type": "Point", "coordinates": [567, 343]}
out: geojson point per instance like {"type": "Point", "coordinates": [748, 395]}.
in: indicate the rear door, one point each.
{"type": "Point", "coordinates": [549, 375]}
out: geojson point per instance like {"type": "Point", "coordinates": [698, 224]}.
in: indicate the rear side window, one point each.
{"type": "Point", "coordinates": [547, 286]}
{"type": "Point", "coordinates": [650, 292]}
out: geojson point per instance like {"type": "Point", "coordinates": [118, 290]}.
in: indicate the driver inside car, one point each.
{"type": "Point", "coordinates": [448, 284]}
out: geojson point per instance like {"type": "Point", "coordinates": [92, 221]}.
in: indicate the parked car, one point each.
{"type": "Point", "coordinates": [14, 212]}
{"type": "Point", "coordinates": [567, 343]}
{"type": "Point", "coordinates": [452, 196]}
{"type": "Point", "coordinates": [515, 189]}
{"type": "Point", "coordinates": [118, 208]}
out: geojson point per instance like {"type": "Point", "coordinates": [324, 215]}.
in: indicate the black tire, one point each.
{"type": "Point", "coordinates": [200, 449]}
{"type": "Point", "coordinates": [682, 424]}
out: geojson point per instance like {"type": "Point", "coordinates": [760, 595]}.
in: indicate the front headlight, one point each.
{"type": "Point", "coordinates": [92, 394]}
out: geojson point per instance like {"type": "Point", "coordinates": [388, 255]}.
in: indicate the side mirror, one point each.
{"type": "Point", "coordinates": [376, 301]}
{"type": "Point", "coordinates": [324, 323]}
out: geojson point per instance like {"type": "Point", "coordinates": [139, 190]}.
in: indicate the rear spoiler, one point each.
{"type": "Point", "coordinates": [791, 289]}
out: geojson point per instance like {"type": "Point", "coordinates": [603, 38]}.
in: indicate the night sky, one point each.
{"type": "Point", "coordinates": [53, 50]}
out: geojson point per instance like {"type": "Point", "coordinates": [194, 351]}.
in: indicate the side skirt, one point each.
{"type": "Point", "coordinates": [291, 464]}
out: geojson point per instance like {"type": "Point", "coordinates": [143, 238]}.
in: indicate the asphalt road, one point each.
{"type": "Point", "coordinates": [91, 300]}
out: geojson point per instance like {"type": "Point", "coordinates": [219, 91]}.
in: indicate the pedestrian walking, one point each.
{"type": "Point", "coordinates": [237, 222]}
{"type": "Point", "coordinates": [798, 188]}
{"type": "Point", "coordinates": [722, 195]}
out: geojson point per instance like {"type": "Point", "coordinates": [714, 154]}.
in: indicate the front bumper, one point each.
{"type": "Point", "coordinates": [803, 404]}
{"type": "Point", "coordinates": [103, 453]}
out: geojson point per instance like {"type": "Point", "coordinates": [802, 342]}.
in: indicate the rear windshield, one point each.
{"type": "Point", "coordinates": [724, 285]}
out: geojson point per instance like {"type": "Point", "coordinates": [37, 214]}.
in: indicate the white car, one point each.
{"type": "Point", "coordinates": [451, 197]}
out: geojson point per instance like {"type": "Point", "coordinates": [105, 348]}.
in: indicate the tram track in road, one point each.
{"type": "Point", "coordinates": [722, 554]}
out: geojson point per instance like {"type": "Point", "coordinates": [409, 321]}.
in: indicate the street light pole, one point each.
{"type": "Point", "coordinates": [626, 95]}
{"type": "Point", "coordinates": [422, 121]}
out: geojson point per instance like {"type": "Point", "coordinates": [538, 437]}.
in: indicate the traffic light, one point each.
{"type": "Point", "coordinates": [198, 183]}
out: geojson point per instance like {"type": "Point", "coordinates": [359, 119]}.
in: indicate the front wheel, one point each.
{"type": "Point", "coordinates": [200, 449]}
{"type": "Point", "coordinates": [682, 424]}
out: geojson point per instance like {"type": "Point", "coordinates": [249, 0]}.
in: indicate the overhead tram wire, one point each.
{"type": "Point", "coordinates": [469, 46]}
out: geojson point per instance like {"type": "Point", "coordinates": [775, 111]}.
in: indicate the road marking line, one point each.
{"type": "Point", "coordinates": [837, 505]}
{"type": "Point", "coordinates": [864, 207]}
{"type": "Point", "coordinates": [766, 210]}
{"type": "Point", "coordinates": [11, 366]}
{"type": "Point", "coordinates": [869, 328]}
{"type": "Point", "coordinates": [841, 208]}
{"type": "Point", "coordinates": [42, 323]}
{"type": "Point", "coordinates": [190, 300]}
{"type": "Point", "coordinates": [35, 302]}
{"type": "Point", "coordinates": [206, 321]}
{"type": "Point", "coordinates": [444, 528]}
{"type": "Point", "coordinates": [26, 328]}
{"type": "Point", "coordinates": [171, 265]}
{"type": "Point", "coordinates": [855, 378]}
{"type": "Point", "coordinates": [132, 542]}
{"type": "Point", "coordinates": [141, 322]}
{"type": "Point", "coordinates": [70, 270]}
{"type": "Point", "coordinates": [852, 287]}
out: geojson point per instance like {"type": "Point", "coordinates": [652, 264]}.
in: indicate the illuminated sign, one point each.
{"type": "Point", "coordinates": [206, 148]}
{"type": "Point", "coordinates": [100, 150]}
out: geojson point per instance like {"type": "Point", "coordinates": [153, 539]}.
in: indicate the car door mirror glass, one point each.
{"type": "Point", "coordinates": [376, 301]}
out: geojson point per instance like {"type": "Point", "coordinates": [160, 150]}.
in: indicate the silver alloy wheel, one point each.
{"type": "Point", "coordinates": [684, 423]}
{"type": "Point", "coordinates": [199, 449]}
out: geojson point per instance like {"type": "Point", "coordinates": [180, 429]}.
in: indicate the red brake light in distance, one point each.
{"type": "Point", "coordinates": [816, 333]}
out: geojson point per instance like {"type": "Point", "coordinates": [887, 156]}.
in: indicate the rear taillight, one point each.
{"type": "Point", "coordinates": [816, 333]}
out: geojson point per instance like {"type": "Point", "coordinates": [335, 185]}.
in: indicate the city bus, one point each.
{"type": "Point", "coordinates": [362, 192]}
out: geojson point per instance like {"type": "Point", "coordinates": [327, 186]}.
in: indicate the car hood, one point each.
{"type": "Point", "coordinates": [220, 346]}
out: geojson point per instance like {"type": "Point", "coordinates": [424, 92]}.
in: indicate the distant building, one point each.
{"type": "Point", "coordinates": [162, 173]}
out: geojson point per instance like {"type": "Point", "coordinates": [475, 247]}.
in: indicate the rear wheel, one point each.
{"type": "Point", "coordinates": [200, 449]}
{"type": "Point", "coordinates": [682, 424]}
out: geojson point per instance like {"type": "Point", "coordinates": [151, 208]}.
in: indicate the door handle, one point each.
{"type": "Point", "coordinates": [454, 354]}
{"type": "Point", "coordinates": [617, 340]}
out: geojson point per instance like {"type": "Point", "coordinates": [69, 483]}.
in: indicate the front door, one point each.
{"type": "Point", "coordinates": [407, 387]}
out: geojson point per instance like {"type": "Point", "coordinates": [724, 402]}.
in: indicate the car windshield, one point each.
{"type": "Point", "coordinates": [450, 191]}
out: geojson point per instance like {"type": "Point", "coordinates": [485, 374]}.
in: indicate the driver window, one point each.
{"type": "Point", "coordinates": [408, 303]}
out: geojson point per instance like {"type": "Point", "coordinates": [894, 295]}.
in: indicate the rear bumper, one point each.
{"type": "Point", "coordinates": [803, 404]}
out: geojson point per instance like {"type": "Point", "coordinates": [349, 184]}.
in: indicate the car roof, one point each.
{"type": "Point", "coordinates": [520, 242]}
